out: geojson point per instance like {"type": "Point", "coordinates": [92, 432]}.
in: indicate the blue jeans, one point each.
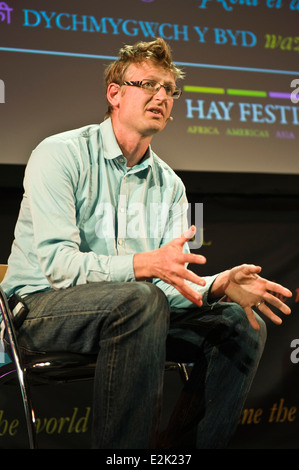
{"type": "Point", "coordinates": [225, 352]}
{"type": "Point", "coordinates": [131, 330]}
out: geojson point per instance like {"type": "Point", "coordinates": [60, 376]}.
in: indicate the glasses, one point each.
{"type": "Point", "coordinates": [153, 87]}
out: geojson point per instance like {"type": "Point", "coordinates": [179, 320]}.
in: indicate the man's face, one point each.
{"type": "Point", "coordinates": [139, 110]}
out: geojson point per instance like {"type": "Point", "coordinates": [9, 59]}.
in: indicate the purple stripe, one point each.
{"type": "Point", "coordinates": [285, 96]}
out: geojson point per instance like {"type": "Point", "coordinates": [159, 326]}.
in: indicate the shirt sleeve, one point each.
{"type": "Point", "coordinates": [50, 185]}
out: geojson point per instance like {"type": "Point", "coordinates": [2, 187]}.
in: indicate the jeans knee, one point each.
{"type": "Point", "coordinates": [152, 298]}
{"type": "Point", "coordinates": [149, 315]}
{"type": "Point", "coordinates": [251, 340]}
{"type": "Point", "coordinates": [144, 304]}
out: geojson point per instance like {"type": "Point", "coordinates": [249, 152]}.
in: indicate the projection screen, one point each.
{"type": "Point", "coordinates": [239, 109]}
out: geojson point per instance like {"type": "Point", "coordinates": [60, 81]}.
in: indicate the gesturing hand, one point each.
{"type": "Point", "coordinates": [168, 263]}
{"type": "Point", "coordinates": [245, 287]}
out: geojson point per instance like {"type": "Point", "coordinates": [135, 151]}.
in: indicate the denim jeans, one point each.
{"type": "Point", "coordinates": [130, 328]}
{"type": "Point", "coordinates": [225, 351]}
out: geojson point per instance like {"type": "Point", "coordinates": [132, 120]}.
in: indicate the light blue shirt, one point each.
{"type": "Point", "coordinates": [84, 214]}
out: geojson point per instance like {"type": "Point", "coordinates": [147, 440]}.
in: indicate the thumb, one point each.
{"type": "Point", "coordinates": [190, 233]}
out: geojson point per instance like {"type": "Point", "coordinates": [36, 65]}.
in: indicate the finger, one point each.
{"type": "Point", "coordinates": [251, 318]}
{"type": "Point", "coordinates": [274, 287]}
{"type": "Point", "coordinates": [193, 258]}
{"type": "Point", "coordinates": [271, 299]}
{"type": "Point", "coordinates": [252, 269]}
{"type": "Point", "coordinates": [188, 275]}
{"type": "Point", "coordinates": [246, 272]}
{"type": "Point", "coordinates": [269, 314]}
{"type": "Point", "coordinates": [190, 293]}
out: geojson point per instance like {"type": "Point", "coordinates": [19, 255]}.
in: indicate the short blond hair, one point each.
{"type": "Point", "coordinates": [157, 51]}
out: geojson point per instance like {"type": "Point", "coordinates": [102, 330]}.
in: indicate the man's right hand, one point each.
{"type": "Point", "coordinates": [168, 263]}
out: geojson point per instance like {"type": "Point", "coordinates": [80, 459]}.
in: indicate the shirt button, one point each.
{"type": "Point", "coordinates": [120, 242]}
{"type": "Point", "coordinates": [122, 210]}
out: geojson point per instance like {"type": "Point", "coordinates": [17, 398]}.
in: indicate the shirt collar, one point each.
{"type": "Point", "coordinates": [112, 149]}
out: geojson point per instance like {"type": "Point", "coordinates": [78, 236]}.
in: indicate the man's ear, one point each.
{"type": "Point", "coordinates": [113, 93]}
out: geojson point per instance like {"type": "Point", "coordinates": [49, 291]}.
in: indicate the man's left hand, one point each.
{"type": "Point", "coordinates": [245, 287]}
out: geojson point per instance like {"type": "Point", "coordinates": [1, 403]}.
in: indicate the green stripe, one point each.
{"type": "Point", "coordinates": [201, 89]}
{"type": "Point", "coordinates": [260, 94]}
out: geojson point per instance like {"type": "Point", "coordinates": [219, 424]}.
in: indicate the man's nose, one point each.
{"type": "Point", "coordinates": [161, 94]}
